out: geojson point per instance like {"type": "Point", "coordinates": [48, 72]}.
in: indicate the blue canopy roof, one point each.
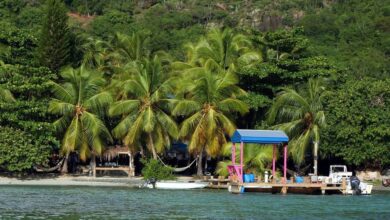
{"type": "Point", "coordinates": [259, 136]}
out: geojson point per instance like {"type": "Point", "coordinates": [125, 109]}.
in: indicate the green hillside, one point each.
{"type": "Point", "coordinates": [82, 75]}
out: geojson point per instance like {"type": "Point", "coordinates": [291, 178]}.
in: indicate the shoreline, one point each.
{"type": "Point", "coordinates": [72, 181]}
{"type": "Point", "coordinates": [133, 182]}
{"type": "Point", "coordinates": [78, 181]}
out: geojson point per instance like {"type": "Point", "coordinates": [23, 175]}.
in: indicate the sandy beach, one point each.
{"type": "Point", "coordinates": [100, 181]}
{"type": "Point", "coordinates": [72, 181]}
{"type": "Point", "coordinates": [78, 181]}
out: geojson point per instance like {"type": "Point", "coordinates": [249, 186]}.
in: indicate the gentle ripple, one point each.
{"type": "Point", "coordinates": [126, 203]}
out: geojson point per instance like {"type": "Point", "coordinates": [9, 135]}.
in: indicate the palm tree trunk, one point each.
{"type": "Point", "coordinates": [315, 158]}
{"type": "Point", "coordinates": [200, 167]}
{"type": "Point", "coordinates": [64, 168]}
{"type": "Point", "coordinates": [152, 146]}
{"type": "Point", "coordinates": [93, 164]}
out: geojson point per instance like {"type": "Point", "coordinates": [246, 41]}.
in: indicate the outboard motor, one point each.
{"type": "Point", "coordinates": [153, 182]}
{"type": "Point", "coordinates": [355, 183]}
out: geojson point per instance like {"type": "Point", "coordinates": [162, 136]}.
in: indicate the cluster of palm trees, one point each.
{"type": "Point", "coordinates": [150, 100]}
{"type": "Point", "coordinates": [143, 96]}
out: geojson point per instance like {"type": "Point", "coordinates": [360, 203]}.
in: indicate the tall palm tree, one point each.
{"type": "Point", "coordinates": [300, 114]}
{"type": "Point", "coordinates": [80, 103]}
{"type": "Point", "coordinates": [145, 108]}
{"type": "Point", "coordinates": [207, 103]}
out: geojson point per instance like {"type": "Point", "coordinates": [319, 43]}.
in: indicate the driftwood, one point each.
{"type": "Point", "coordinates": [50, 169]}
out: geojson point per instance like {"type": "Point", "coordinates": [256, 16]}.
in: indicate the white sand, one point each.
{"type": "Point", "coordinates": [79, 181]}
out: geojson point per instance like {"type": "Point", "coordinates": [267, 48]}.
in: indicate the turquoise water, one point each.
{"type": "Point", "coordinates": [125, 203]}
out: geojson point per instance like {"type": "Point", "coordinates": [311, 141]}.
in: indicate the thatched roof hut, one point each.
{"type": "Point", "coordinates": [112, 152]}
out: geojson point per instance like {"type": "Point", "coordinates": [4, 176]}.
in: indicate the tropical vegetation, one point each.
{"type": "Point", "coordinates": [77, 77]}
{"type": "Point", "coordinates": [301, 116]}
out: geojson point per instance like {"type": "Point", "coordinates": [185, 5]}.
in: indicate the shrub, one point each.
{"type": "Point", "coordinates": [154, 169]}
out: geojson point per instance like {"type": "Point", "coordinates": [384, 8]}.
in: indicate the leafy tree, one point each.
{"type": "Point", "coordinates": [54, 45]}
{"type": "Point", "coordinates": [301, 115]}
{"type": "Point", "coordinates": [81, 103]}
{"type": "Point", "coordinates": [21, 153]}
{"type": "Point", "coordinates": [207, 103]}
{"type": "Point", "coordinates": [154, 169]}
{"type": "Point", "coordinates": [26, 117]}
{"type": "Point", "coordinates": [286, 62]}
{"type": "Point", "coordinates": [17, 45]}
{"type": "Point", "coordinates": [358, 119]}
{"type": "Point", "coordinates": [145, 108]}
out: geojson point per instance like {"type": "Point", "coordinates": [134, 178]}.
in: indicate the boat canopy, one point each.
{"type": "Point", "coordinates": [259, 136]}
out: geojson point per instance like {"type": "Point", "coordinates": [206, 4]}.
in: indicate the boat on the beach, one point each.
{"type": "Point", "coordinates": [176, 185]}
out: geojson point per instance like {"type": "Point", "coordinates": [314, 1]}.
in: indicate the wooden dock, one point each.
{"type": "Point", "coordinates": [218, 183]}
{"type": "Point", "coordinates": [299, 188]}
{"type": "Point", "coordinates": [284, 188]}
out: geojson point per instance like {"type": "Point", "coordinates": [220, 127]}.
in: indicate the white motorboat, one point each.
{"type": "Point", "coordinates": [364, 189]}
{"type": "Point", "coordinates": [354, 185]}
{"type": "Point", "coordinates": [178, 185]}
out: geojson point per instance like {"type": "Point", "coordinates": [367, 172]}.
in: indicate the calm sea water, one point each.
{"type": "Point", "coordinates": [124, 203]}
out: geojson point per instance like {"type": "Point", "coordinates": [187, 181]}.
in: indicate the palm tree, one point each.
{"type": "Point", "coordinates": [97, 54]}
{"type": "Point", "coordinates": [80, 103]}
{"type": "Point", "coordinates": [130, 48]}
{"type": "Point", "coordinates": [301, 116]}
{"type": "Point", "coordinates": [206, 102]}
{"type": "Point", "coordinates": [256, 158]}
{"type": "Point", "coordinates": [145, 108]}
{"type": "Point", "coordinates": [227, 49]}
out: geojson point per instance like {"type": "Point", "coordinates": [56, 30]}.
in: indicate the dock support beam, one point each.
{"type": "Point", "coordinates": [285, 164]}
{"type": "Point", "coordinates": [234, 154]}
{"type": "Point", "coordinates": [273, 161]}
{"type": "Point", "coordinates": [242, 161]}
{"type": "Point", "coordinates": [284, 190]}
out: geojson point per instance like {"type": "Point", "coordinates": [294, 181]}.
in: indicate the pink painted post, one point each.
{"type": "Point", "coordinates": [273, 160]}
{"type": "Point", "coordinates": [234, 154]}
{"type": "Point", "coordinates": [241, 160]}
{"type": "Point", "coordinates": [285, 164]}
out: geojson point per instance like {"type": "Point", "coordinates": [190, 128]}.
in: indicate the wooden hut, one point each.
{"type": "Point", "coordinates": [112, 153]}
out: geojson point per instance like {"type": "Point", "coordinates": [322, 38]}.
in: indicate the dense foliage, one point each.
{"type": "Point", "coordinates": [153, 169]}
{"type": "Point", "coordinates": [358, 115]}
{"type": "Point", "coordinates": [26, 122]}
{"type": "Point", "coordinates": [54, 45]}
{"type": "Point", "coordinates": [161, 62]}
{"type": "Point", "coordinates": [20, 151]}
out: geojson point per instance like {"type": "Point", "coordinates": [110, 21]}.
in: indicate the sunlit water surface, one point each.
{"type": "Point", "coordinates": [126, 203]}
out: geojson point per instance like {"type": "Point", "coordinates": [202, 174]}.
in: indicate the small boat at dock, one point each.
{"type": "Point", "coordinates": [177, 185]}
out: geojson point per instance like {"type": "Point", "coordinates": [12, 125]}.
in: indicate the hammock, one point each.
{"type": "Point", "coordinates": [51, 169]}
{"type": "Point", "coordinates": [178, 169]}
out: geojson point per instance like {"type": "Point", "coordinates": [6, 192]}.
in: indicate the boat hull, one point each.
{"type": "Point", "coordinates": [178, 185]}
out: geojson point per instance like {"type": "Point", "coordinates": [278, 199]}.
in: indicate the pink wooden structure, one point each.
{"type": "Point", "coordinates": [242, 136]}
